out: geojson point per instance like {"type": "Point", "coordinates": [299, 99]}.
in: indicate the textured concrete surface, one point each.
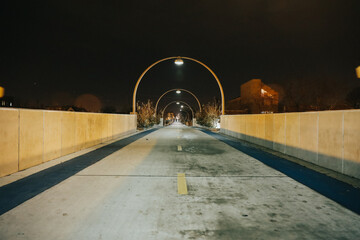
{"type": "Point", "coordinates": [351, 143]}
{"type": "Point", "coordinates": [30, 137]}
{"type": "Point", "coordinates": [132, 194]}
{"type": "Point", "coordinates": [9, 141]}
{"type": "Point", "coordinates": [308, 146]}
{"type": "Point", "coordinates": [329, 139]}
{"type": "Point", "coordinates": [52, 135]}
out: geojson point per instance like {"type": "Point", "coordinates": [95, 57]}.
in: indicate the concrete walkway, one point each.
{"type": "Point", "coordinates": [130, 191]}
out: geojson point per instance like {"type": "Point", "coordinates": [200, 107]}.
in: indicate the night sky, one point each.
{"type": "Point", "coordinates": [52, 52]}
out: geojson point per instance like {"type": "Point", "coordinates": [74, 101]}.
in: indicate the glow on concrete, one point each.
{"type": "Point", "coordinates": [132, 194]}
{"type": "Point", "coordinates": [329, 139]}
{"type": "Point", "coordinates": [31, 137]}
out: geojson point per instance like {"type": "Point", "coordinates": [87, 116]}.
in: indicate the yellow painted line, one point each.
{"type": "Point", "coordinates": [179, 148]}
{"type": "Point", "coordinates": [182, 188]}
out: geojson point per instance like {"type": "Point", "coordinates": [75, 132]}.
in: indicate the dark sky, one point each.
{"type": "Point", "coordinates": [54, 51]}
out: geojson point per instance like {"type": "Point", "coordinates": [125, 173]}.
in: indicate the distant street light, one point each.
{"type": "Point", "coordinates": [182, 106]}
{"type": "Point", "coordinates": [179, 61]}
{"type": "Point", "coordinates": [358, 72]}
{"type": "Point", "coordinates": [2, 92]}
{"type": "Point", "coordinates": [192, 111]}
{"type": "Point", "coordinates": [177, 103]}
{"type": "Point", "coordinates": [178, 91]}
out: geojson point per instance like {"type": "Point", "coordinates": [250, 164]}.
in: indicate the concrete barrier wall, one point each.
{"type": "Point", "coordinates": [330, 139]}
{"type": "Point", "coordinates": [31, 137]}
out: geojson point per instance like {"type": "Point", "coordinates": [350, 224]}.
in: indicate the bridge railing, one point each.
{"type": "Point", "coordinates": [330, 139]}
{"type": "Point", "coordinates": [31, 137]}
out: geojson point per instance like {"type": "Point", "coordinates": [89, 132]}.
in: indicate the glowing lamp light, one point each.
{"type": "Point", "coordinates": [177, 103]}
{"type": "Point", "coordinates": [2, 92]}
{"type": "Point", "coordinates": [358, 72]}
{"type": "Point", "coordinates": [178, 91]}
{"type": "Point", "coordinates": [179, 61]}
{"type": "Point", "coordinates": [182, 106]}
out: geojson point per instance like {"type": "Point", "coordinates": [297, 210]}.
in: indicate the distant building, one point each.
{"type": "Point", "coordinates": [7, 102]}
{"type": "Point", "coordinates": [66, 108]}
{"type": "Point", "coordinates": [255, 97]}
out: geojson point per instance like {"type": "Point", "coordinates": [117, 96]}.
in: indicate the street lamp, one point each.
{"type": "Point", "coordinates": [179, 61]}
{"type": "Point", "coordinates": [358, 72]}
{"type": "Point", "coordinates": [178, 91]}
{"type": "Point", "coordinates": [182, 106]}
{"type": "Point", "coordinates": [177, 103]}
{"type": "Point", "coordinates": [2, 92]}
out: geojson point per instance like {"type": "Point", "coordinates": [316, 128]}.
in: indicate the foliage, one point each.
{"type": "Point", "coordinates": [145, 115]}
{"type": "Point", "coordinates": [209, 115]}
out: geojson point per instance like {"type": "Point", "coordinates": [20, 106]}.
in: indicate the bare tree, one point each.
{"type": "Point", "coordinates": [145, 114]}
{"type": "Point", "coordinates": [210, 114]}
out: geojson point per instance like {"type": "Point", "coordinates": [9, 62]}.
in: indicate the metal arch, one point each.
{"type": "Point", "coordinates": [192, 59]}
{"type": "Point", "coordinates": [175, 89]}
{"type": "Point", "coordinates": [192, 111]}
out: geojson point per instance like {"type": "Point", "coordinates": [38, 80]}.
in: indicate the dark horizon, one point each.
{"type": "Point", "coordinates": [54, 52]}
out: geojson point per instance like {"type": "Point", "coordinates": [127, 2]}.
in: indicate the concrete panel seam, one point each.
{"type": "Point", "coordinates": [43, 138]}
{"type": "Point", "coordinates": [299, 130]}
{"type": "Point", "coordinates": [317, 139]}
{"type": "Point", "coordinates": [285, 135]}
{"type": "Point", "coordinates": [61, 140]}
{"type": "Point", "coordinates": [273, 130]}
{"type": "Point", "coordinates": [342, 143]}
{"type": "Point", "coordinates": [18, 160]}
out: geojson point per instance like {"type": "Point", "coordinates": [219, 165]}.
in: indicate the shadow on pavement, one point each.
{"type": "Point", "coordinates": [15, 193]}
{"type": "Point", "coordinates": [338, 191]}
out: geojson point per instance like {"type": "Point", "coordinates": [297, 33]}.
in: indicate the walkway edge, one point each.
{"type": "Point", "coordinates": [336, 190]}
{"type": "Point", "coordinates": [16, 193]}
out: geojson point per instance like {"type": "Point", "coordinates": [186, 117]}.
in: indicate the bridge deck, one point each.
{"type": "Point", "coordinates": [129, 190]}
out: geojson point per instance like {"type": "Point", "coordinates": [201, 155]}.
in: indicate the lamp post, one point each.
{"type": "Point", "coordinates": [178, 91]}
{"type": "Point", "coordinates": [179, 61]}
{"type": "Point", "coordinates": [358, 72]}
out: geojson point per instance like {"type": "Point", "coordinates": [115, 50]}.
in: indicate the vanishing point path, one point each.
{"type": "Point", "coordinates": [175, 182]}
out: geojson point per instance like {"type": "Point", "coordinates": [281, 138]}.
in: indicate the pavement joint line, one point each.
{"type": "Point", "coordinates": [166, 176]}
{"type": "Point", "coordinates": [179, 148]}
{"type": "Point", "coordinates": [181, 181]}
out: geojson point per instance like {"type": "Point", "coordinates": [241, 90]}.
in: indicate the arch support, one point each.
{"type": "Point", "coordinates": [187, 58]}
{"type": "Point", "coordinates": [163, 111]}
{"type": "Point", "coordinates": [176, 89]}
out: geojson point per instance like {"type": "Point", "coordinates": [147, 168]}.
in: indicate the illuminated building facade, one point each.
{"type": "Point", "coordinates": [255, 97]}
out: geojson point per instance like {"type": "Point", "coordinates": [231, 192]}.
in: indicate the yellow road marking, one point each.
{"type": "Point", "coordinates": [182, 188]}
{"type": "Point", "coordinates": [179, 148]}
